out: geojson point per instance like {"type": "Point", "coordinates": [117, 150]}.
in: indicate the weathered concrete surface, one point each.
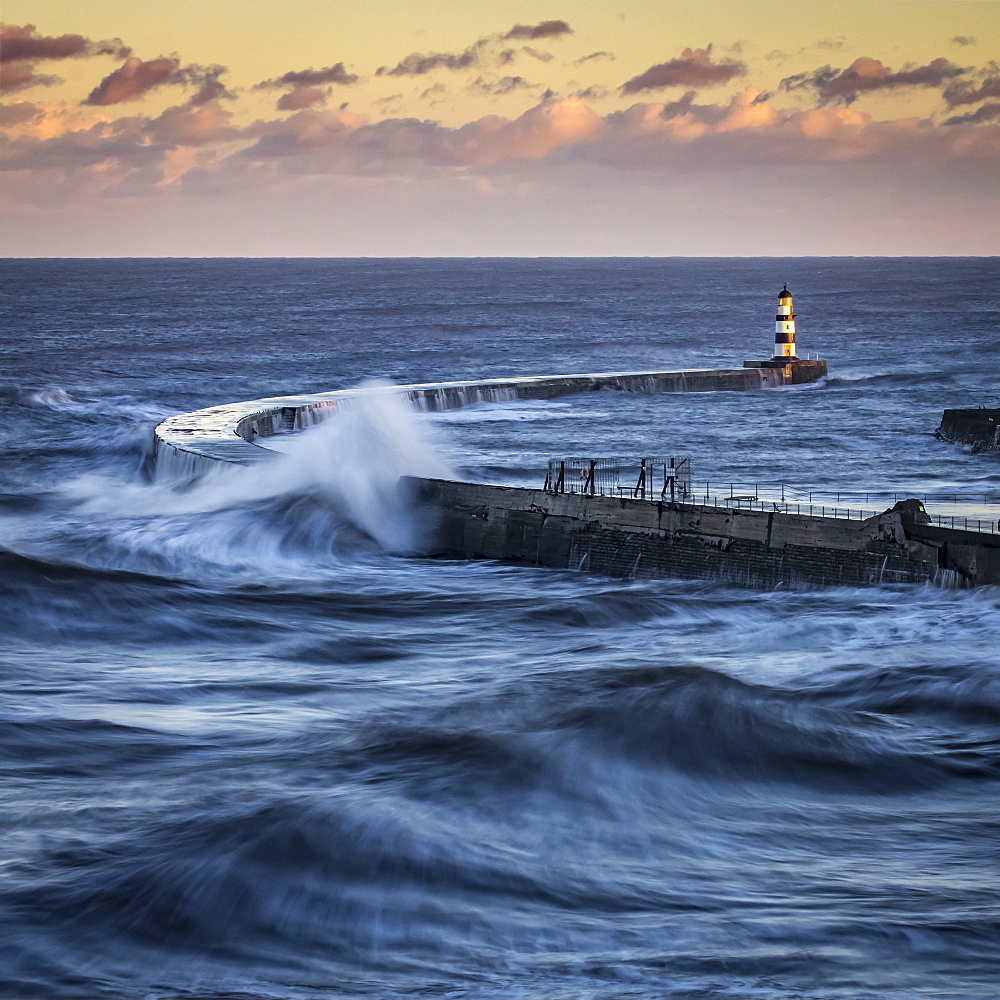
{"type": "Point", "coordinates": [979, 428]}
{"type": "Point", "coordinates": [795, 372]}
{"type": "Point", "coordinates": [642, 538]}
{"type": "Point", "coordinates": [974, 556]}
{"type": "Point", "coordinates": [192, 442]}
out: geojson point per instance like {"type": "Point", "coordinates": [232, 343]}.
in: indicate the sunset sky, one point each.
{"type": "Point", "coordinates": [457, 127]}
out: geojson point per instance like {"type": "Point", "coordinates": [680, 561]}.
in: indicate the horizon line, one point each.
{"type": "Point", "coordinates": [926, 256]}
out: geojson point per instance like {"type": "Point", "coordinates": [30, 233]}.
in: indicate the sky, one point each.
{"type": "Point", "coordinates": [452, 128]}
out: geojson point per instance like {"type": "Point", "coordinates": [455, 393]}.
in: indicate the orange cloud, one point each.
{"type": "Point", "coordinates": [742, 134]}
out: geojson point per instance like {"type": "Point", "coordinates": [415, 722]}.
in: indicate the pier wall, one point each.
{"type": "Point", "coordinates": [649, 539]}
{"type": "Point", "coordinates": [979, 428]}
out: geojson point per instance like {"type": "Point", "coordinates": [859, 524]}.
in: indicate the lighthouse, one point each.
{"type": "Point", "coordinates": [789, 369]}
{"type": "Point", "coordinates": [784, 327]}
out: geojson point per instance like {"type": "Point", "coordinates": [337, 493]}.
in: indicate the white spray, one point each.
{"type": "Point", "coordinates": [280, 519]}
{"type": "Point", "coordinates": [357, 459]}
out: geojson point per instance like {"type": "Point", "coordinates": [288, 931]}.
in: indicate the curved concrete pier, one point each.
{"type": "Point", "coordinates": [191, 442]}
{"type": "Point", "coordinates": [610, 535]}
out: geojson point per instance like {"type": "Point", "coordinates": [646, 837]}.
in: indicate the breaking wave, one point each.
{"type": "Point", "coordinates": [333, 492]}
{"type": "Point", "coordinates": [62, 401]}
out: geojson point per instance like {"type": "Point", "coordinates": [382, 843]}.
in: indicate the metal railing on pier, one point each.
{"type": "Point", "coordinates": [670, 479]}
{"type": "Point", "coordinates": [709, 495]}
{"type": "Point", "coordinates": [651, 478]}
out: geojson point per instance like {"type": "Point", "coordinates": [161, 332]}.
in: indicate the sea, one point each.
{"type": "Point", "coordinates": [254, 746]}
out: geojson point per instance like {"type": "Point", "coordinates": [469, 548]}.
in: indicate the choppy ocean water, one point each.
{"type": "Point", "coordinates": [248, 752]}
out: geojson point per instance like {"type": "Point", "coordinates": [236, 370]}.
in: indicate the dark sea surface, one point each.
{"type": "Point", "coordinates": [247, 752]}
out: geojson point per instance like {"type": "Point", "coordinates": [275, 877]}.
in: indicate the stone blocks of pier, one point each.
{"type": "Point", "coordinates": [648, 539]}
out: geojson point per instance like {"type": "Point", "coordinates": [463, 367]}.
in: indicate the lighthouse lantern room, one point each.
{"type": "Point", "coordinates": [784, 327]}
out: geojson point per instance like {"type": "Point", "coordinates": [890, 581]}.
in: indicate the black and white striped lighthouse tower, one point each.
{"type": "Point", "coordinates": [784, 327]}
{"type": "Point", "coordinates": [793, 370]}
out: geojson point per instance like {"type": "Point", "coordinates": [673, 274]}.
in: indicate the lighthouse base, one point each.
{"type": "Point", "coordinates": [796, 371]}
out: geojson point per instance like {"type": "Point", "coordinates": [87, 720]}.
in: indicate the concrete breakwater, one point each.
{"type": "Point", "coordinates": [979, 428]}
{"type": "Point", "coordinates": [192, 442]}
{"type": "Point", "coordinates": [600, 534]}
{"type": "Point", "coordinates": [623, 537]}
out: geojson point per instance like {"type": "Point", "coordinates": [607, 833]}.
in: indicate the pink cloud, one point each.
{"type": "Point", "coordinates": [21, 47]}
{"type": "Point", "coordinates": [21, 75]}
{"type": "Point", "coordinates": [133, 79]}
{"type": "Point", "coordinates": [312, 77]}
{"type": "Point", "coordinates": [24, 43]}
{"type": "Point", "coordinates": [302, 97]}
{"type": "Point", "coordinates": [307, 86]}
{"type": "Point", "coordinates": [694, 68]}
{"type": "Point", "coordinates": [20, 113]}
{"type": "Point", "coordinates": [203, 125]}
{"type": "Point", "coordinates": [661, 141]}
{"type": "Point", "coordinates": [350, 144]}
{"type": "Point", "coordinates": [865, 75]}
{"type": "Point", "coordinates": [123, 143]}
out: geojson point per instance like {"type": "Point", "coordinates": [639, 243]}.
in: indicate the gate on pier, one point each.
{"type": "Point", "coordinates": [653, 478]}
